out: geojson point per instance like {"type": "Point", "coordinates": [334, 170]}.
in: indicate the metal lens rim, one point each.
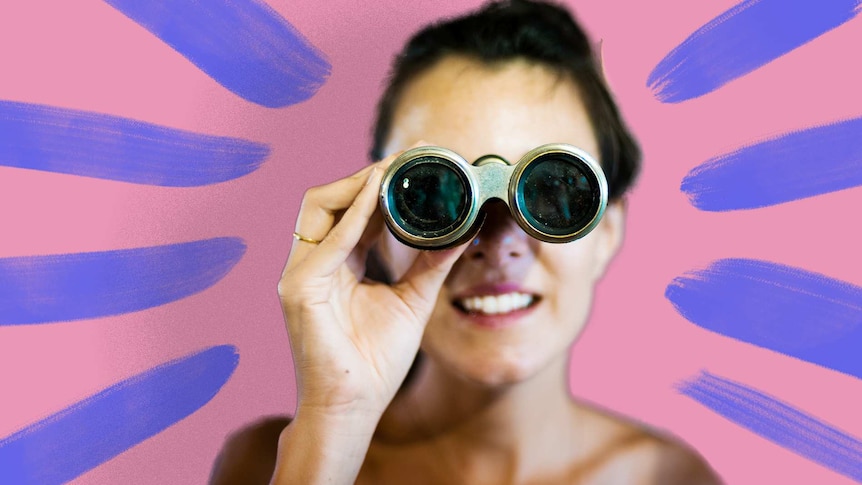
{"type": "Point", "coordinates": [578, 156]}
{"type": "Point", "coordinates": [446, 157]}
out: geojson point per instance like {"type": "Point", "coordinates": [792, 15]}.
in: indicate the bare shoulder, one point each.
{"type": "Point", "coordinates": [663, 461]}
{"type": "Point", "coordinates": [248, 455]}
{"type": "Point", "coordinates": [638, 454]}
{"type": "Point", "coordinates": [678, 463]}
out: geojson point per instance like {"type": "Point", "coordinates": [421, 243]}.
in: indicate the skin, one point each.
{"type": "Point", "coordinates": [488, 406]}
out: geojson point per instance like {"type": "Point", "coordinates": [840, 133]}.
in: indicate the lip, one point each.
{"type": "Point", "coordinates": [497, 321]}
{"type": "Point", "coordinates": [494, 289]}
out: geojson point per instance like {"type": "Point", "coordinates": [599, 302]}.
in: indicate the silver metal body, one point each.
{"type": "Point", "coordinates": [489, 177]}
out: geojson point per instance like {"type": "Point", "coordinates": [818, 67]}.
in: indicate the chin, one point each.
{"type": "Point", "coordinates": [498, 351]}
{"type": "Point", "coordinates": [498, 367]}
{"type": "Point", "coordinates": [499, 378]}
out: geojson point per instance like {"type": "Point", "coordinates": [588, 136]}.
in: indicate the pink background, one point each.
{"type": "Point", "coordinates": [88, 56]}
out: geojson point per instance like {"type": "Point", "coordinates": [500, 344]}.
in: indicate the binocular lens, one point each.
{"type": "Point", "coordinates": [432, 198]}
{"type": "Point", "coordinates": [559, 196]}
{"type": "Point", "coordinates": [429, 196]}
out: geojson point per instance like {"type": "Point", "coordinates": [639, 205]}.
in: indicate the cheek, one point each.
{"type": "Point", "coordinates": [570, 271]}
{"type": "Point", "coordinates": [573, 264]}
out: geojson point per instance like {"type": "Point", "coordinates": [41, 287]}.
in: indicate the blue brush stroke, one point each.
{"type": "Point", "coordinates": [244, 45]}
{"type": "Point", "coordinates": [85, 435]}
{"type": "Point", "coordinates": [798, 313]}
{"type": "Point", "coordinates": [742, 39]}
{"type": "Point", "coordinates": [779, 423]}
{"type": "Point", "coordinates": [43, 289]}
{"type": "Point", "coordinates": [109, 147]}
{"type": "Point", "coordinates": [801, 164]}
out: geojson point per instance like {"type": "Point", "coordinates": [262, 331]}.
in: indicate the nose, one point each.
{"type": "Point", "coordinates": [501, 241]}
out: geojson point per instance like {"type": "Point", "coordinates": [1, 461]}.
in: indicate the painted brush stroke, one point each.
{"type": "Point", "coordinates": [63, 287]}
{"type": "Point", "coordinates": [793, 166]}
{"type": "Point", "coordinates": [85, 435]}
{"type": "Point", "coordinates": [793, 311]}
{"type": "Point", "coordinates": [742, 39]}
{"type": "Point", "coordinates": [109, 147]}
{"type": "Point", "coordinates": [778, 422]}
{"type": "Point", "coordinates": [244, 45]}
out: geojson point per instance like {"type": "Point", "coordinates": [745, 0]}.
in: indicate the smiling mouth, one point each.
{"type": "Point", "coordinates": [496, 304]}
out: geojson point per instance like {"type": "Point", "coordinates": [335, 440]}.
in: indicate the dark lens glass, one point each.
{"type": "Point", "coordinates": [559, 194]}
{"type": "Point", "coordinates": [428, 197]}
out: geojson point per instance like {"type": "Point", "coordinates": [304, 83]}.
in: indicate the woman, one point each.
{"type": "Point", "coordinates": [487, 399]}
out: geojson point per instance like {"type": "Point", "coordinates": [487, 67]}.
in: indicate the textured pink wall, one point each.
{"type": "Point", "coordinates": [88, 56]}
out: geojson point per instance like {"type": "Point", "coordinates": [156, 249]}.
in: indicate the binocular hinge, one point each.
{"type": "Point", "coordinates": [489, 159]}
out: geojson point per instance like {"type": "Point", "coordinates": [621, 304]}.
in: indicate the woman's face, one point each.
{"type": "Point", "coordinates": [506, 110]}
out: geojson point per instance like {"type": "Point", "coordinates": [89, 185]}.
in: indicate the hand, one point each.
{"type": "Point", "coordinates": [353, 341]}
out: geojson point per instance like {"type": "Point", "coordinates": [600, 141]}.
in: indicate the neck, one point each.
{"type": "Point", "coordinates": [526, 426]}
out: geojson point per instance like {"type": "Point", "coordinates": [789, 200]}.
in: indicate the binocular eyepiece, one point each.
{"type": "Point", "coordinates": [431, 197]}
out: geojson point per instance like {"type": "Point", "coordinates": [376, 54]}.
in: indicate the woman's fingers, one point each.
{"type": "Point", "coordinates": [319, 209]}
{"type": "Point", "coordinates": [358, 259]}
{"type": "Point", "coordinates": [293, 278]}
{"type": "Point", "coordinates": [420, 285]}
{"type": "Point", "coordinates": [323, 206]}
{"type": "Point", "coordinates": [335, 248]}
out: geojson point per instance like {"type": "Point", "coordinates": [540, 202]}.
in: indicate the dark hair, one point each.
{"type": "Point", "coordinates": [507, 30]}
{"type": "Point", "coordinates": [511, 29]}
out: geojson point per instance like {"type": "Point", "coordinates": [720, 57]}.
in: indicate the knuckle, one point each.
{"type": "Point", "coordinates": [285, 289]}
{"type": "Point", "coordinates": [293, 296]}
{"type": "Point", "coordinates": [432, 264]}
{"type": "Point", "coordinates": [310, 195]}
{"type": "Point", "coordinates": [338, 239]}
{"type": "Point", "coordinates": [289, 286]}
{"type": "Point", "coordinates": [354, 207]}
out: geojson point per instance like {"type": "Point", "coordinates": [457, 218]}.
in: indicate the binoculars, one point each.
{"type": "Point", "coordinates": [432, 198]}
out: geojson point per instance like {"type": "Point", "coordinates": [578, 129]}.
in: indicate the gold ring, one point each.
{"type": "Point", "coordinates": [300, 237]}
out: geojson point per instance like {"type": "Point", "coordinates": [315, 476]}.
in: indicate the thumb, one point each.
{"type": "Point", "coordinates": [420, 285]}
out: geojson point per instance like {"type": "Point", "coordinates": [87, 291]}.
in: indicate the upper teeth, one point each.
{"type": "Point", "coordinates": [493, 304]}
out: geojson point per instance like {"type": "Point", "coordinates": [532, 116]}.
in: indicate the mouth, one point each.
{"type": "Point", "coordinates": [498, 304]}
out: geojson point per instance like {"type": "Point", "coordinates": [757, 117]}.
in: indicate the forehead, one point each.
{"type": "Point", "coordinates": [476, 109]}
